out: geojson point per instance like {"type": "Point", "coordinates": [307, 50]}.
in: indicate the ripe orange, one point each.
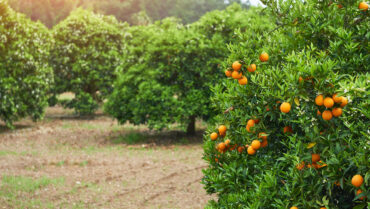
{"type": "Point", "coordinates": [337, 112]}
{"type": "Point", "coordinates": [288, 129]}
{"type": "Point", "coordinates": [243, 80]}
{"type": "Point", "coordinates": [363, 6]}
{"type": "Point", "coordinates": [264, 57]}
{"type": "Point", "coordinates": [251, 151]}
{"type": "Point", "coordinates": [227, 141]}
{"type": "Point", "coordinates": [315, 158]}
{"type": "Point", "coordinates": [228, 73]}
{"type": "Point", "coordinates": [300, 166]}
{"type": "Point", "coordinates": [357, 180]}
{"type": "Point", "coordinates": [344, 101]}
{"type": "Point", "coordinates": [249, 128]}
{"type": "Point", "coordinates": [251, 68]}
{"type": "Point", "coordinates": [267, 108]}
{"type": "Point", "coordinates": [327, 115]}
{"type": "Point", "coordinates": [236, 66]}
{"type": "Point", "coordinates": [240, 149]}
{"type": "Point", "coordinates": [262, 136]}
{"type": "Point", "coordinates": [323, 208]}
{"type": "Point", "coordinates": [264, 143]}
{"type": "Point", "coordinates": [340, 6]}
{"type": "Point", "coordinates": [256, 144]}
{"type": "Point", "coordinates": [300, 79]}
{"type": "Point", "coordinates": [214, 136]}
{"type": "Point", "coordinates": [318, 112]}
{"type": "Point", "coordinates": [358, 193]}
{"type": "Point", "coordinates": [216, 160]}
{"type": "Point", "coordinates": [294, 207]}
{"type": "Point", "coordinates": [285, 107]}
{"type": "Point", "coordinates": [233, 147]}
{"type": "Point", "coordinates": [328, 102]}
{"type": "Point", "coordinates": [250, 123]}
{"type": "Point", "coordinates": [319, 100]}
{"type": "Point", "coordinates": [236, 75]}
{"type": "Point", "coordinates": [336, 98]}
{"type": "Point", "coordinates": [222, 130]}
{"type": "Point", "coordinates": [221, 146]}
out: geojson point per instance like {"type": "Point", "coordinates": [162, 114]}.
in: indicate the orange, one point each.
{"type": "Point", "coordinates": [288, 129]}
{"type": "Point", "coordinates": [227, 141]}
{"type": "Point", "coordinates": [315, 158]}
{"type": "Point", "coordinates": [222, 130]}
{"type": "Point", "coordinates": [323, 208]}
{"type": "Point", "coordinates": [233, 147]}
{"type": "Point", "coordinates": [321, 164]}
{"type": "Point", "coordinates": [251, 68]}
{"type": "Point", "coordinates": [344, 101]}
{"type": "Point", "coordinates": [240, 149]}
{"type": "Point", "coordinates": [328, 102]}
{"type": "Point", "coordinates": [363, 6]}
{"type": "Point", "coordinates": [251, 151]}
{"type": "Point", "coordinates": [256, 144]}
{"type": "Point", "coordinates": [337, 112]}
{"type": "Point", "coordinates": [250, 123]}
{"type": "Point", "coordinates": [228, 73]}
{"type": "Point", "coordinates": [214, 136]}
{"type": "Point", "coordinates": [340, 6]}
{"type": "Point", "coordinates": [319, 100]}
{"type": "Point", "coordinates": [358, 193]}
{"type": "Point", "coordinates": [249, 128]}
{"type": "Point", "coordinates": [267, 108]}
{"type": "Point", "coordinates": [318, 112]}
{"type": "Point", "coordinates": [337, 183]}
{"type": "Point", "coordinates": [300, 79]}
{"type": "Point", "coordinates": [327, 115]}
{"type": "Point", "coordinates": [264, 57]}
{"type": "Point", "coordinates": [294, 207]}
{"type": "Point", "coordinates": [357, 180]}
{"type": "Point", "coordinates": [221, 146]}
{"type": "Point", "coordinates": [300, 166]}
{"type": "Point", "coordinates": [243, 80]}
{"type": "Point", "coordinates": [256, 121]}
{"type": "Point", "coordinates": [216, 160]}
{"type": "Point", "coordinates": [236, 75]}
{"type": "Point", "coordinates": [285, 107]}
{"type": "Point", "coordinates": [264, 143]}
{"type": "Point", "coordinates": [236, 66]}
{"type": "Point", "coordinates": [336, 99]}
{"type": "Point", "coordinates": [262, 136]}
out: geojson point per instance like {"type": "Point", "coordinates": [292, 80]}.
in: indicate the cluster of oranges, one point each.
{"type": "Point", "coordinates": [330, 102]}
{"type": "Point", "coordinates": [226, 145]}
{"type": "Point", "coordinates": [237, 66]}
{"type": "Point", "coordinates": [357, 181]}
{"type": "Point", "coordinates": [316, 163]}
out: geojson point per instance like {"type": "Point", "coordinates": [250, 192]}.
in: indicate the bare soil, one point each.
{"type": "Point", "coordinates": [163, 170]}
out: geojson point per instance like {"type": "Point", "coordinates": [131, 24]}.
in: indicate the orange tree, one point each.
{"type": "Point", "coordinates": [25, 75]}
{"type": "Point", "coordinates": [166, 76]}
{"type": "Point", "coordinates": [85, 56]}
{"type": "Point", "coordinates": [297, 134]}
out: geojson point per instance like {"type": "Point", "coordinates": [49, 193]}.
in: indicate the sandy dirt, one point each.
{"type": "Point", "coordinates": [164, 171]}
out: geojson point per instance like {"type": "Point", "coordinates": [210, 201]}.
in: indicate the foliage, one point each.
{"type": "Point", "coordinates": [86, 53]}
{"type": "Point", "coordinates": [51, 12]}
{"type": "Point", "coordinates": [170, 68]}
{"type": "Point", "coordinates": [317, 48]}
{"type": "Point", "coordinates": [24, 72]}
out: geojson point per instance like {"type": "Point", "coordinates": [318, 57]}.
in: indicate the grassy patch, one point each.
{"type": "Point", "coordinates": [18, 191]}
{"type": "Point", "coordinates": [131, 138]}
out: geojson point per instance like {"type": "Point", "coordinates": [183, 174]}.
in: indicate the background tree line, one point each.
{"type": "Point", "coordinates": [50, 12]}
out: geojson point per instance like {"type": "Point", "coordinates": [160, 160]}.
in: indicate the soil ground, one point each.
{"type": "Point", "coordinates": [71, 162]}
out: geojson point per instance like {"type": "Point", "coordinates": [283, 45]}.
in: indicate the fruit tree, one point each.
{"type": "Point", "coordinates": [25, 75]}
{"type": "Point", "coordinates": [302, 118]}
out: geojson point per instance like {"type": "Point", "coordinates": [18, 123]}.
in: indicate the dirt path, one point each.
{"type": "Point", "coordinates": [94, 169]}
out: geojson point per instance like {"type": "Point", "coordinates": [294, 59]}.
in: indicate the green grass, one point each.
{"type": "Point", "coordinates": [131, 138]}
{"type": "Point", "coordinates": [14, 190]}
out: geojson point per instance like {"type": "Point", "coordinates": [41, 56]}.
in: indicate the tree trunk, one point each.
{"type": "Point", "coordinates": [190, 131]}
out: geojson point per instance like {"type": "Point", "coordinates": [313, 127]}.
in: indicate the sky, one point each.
{"type": "Point", "coordinates": [255, 2]}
